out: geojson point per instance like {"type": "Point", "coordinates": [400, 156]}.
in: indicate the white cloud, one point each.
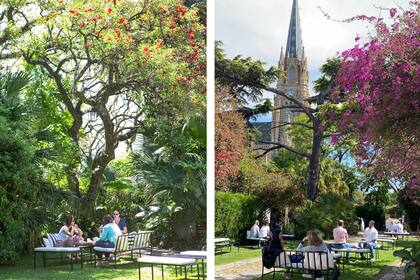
{"type": "Point", "coordinates": [259, 28]}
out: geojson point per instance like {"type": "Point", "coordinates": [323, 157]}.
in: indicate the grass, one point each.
{"type": "Point", "coordinates": [126, 270]}
{"type": "Point", "coordinates": [354, 270]}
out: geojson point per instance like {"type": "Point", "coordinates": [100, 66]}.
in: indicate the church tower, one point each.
{"type": "Point", "coordinates": [294, 64]}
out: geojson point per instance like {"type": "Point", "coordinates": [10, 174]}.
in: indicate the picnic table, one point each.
{"type": "Point", "coordinates": [198, 255]}
{"type": "Point", "coordinates": [397, 235]}
{"type": "Point", "coordinates": [220, 243]}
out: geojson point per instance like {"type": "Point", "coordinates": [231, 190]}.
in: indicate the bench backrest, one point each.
{"type": "Point", "coordinates": [309, 260]}
{"type": "Point", "coordinates": [318, 260]}
{"type": "Point", "coordinates": [141, 240]}
{"type": "Point", "coordinates": [122, 243]}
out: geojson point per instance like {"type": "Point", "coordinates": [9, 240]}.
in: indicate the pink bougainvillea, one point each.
{"type": "Point", "coordinates": [381, 81]}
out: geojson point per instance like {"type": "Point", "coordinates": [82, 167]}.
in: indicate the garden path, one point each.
{"type": "Point", "coordinates": [395, 273]}
{"type": "Point", "coordinates": [241, 270]}
{"type": "Point", "coordinates": [251, 268]}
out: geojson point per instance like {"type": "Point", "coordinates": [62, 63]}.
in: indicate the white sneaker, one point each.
{"type": "Point", "coordinates": [307, 275]}
{"type": "Point", "coordinates": [319, 278]}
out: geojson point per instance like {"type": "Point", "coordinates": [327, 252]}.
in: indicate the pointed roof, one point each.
{"type": "Point", "coordinates": [294, 46]}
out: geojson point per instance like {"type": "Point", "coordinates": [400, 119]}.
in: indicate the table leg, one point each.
{"type": "Point", "coordinates": [139, 272]}
{"type": "Point", "coordinates": [162, 272]}
{"type": "Point", "coordinates": [44, 259]}
{"type": "Point", "coordinates": [185, 271]}
{"type": "Point", "coordinates": [152, 273]}
{"type": "Point", "coordinates": [71, 262]}
{"type": "Point", "coordinates": [34, 260]}
{"type": "Point", "coordinates": [202, 266]}
{"type": "Point", "coordinates": [81, 259]}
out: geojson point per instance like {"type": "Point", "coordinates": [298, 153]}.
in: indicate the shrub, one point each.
{"type": "Point", "coordinates": [16, 173]}
{"type": "Point", "coordinates": [371, 212]}
{"type": "Point", "coordinates": [235, 214]}
{"type": "Point", "coordinates": [322, 215]}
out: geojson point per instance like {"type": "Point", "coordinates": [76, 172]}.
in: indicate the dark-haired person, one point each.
{"type": "Point", "coordinates": [69, 234]}
{"type": "Point", "coordinates": [273, 249]}
{"type": "Point", "coordinates": [371, 235]}
{"type": "Point", "coordinates": [340, 238]}
{"type": "Point", "coordinates": [120, 222]}
{"type": "Point", "coordinates": [108, 237]}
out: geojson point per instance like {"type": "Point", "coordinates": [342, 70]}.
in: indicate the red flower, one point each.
{"type": "Point", "coordinates": [122, 20]}
{"type": "Point", "coordinates": [108, 10]}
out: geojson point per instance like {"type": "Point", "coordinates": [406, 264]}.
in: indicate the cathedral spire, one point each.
{"type": "Point", "coordinates": [294, 46]}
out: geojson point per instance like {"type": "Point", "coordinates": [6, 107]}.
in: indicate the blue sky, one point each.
{"type": "Point", "coordinates": [259, 28]}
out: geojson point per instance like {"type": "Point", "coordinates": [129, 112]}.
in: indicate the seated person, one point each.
{"type": "Point", "coordinates": [370, 235]}
{"type": "Point", "coordinates": [264, 230]}
{"type": "Point", "coordinates": [70, 234]}
{"type": "Point", "coordinates": [273, 249]}
{"type": "Point", "coordinates": [399, 228]}
{"type": "Point", "coordinates": [255, 229]}
{"type": "Point", "coordinates": [120, 222]}
{"type": "Point", "coordinates": [108, 236]}
{"type": "Point", "coordinates": [340, 237]}
{"type": "Point", "coordinates": [315, 244]}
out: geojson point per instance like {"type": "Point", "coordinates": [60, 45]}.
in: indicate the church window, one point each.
{"type": "Point", "coordinates": [291, 74]}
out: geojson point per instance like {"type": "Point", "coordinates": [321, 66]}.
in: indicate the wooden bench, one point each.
{"type": "Point", "coordinates": [311, 262]}
{"type": "Point", "coordinates": [166, 261]}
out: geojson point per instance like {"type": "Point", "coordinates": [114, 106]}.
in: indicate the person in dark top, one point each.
{"type": "Point", "coordinates": [273, 249]}
{"type": "Point", "coordinates": [120, 222]}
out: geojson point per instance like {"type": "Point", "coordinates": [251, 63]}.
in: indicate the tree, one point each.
{"type": "Point", "coordinates": [248, 79]}
{"type": "Point", "coordinates": [380, 82]}
{"type": "Point", "coordinates": [113, 66]}
{"type": "Point", "coordinates": [230, 139]}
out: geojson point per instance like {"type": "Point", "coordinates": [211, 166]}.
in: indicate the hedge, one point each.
{"type": "Point", "coordinates": [235, 214]}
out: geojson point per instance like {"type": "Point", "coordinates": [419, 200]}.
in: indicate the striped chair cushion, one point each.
{"type": "Point", "coordinates": [52, 237]}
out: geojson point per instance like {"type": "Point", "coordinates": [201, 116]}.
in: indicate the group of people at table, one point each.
{"type": "Point", "coordinates": [71, 235]}
{"type": "Point", "coordinates": [315, 242]}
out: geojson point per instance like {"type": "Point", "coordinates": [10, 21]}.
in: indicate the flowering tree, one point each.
{"type": "Point", "coordinates": [230, 138]}
{"type": "Point", "coordinates": [380, 79]}
{"type": "Point", "coordinates": [116, 65]}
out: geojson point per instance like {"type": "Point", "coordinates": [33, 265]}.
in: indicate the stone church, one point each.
{"type": "Point", "coordinates": [294, 64]}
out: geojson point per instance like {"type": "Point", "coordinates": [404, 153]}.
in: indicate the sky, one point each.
{"type": "Point", "coordinates": [258, 28]}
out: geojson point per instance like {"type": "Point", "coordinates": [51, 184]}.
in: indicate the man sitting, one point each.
{"type": "Point", "coordinates": [371, 235]}
{"type": "Point", "coordinates": [340, 238]}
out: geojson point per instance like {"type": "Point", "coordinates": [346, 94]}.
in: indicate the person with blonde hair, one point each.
{"type": "Point", "coordinates": [255, 229]}
{"type": "Point", "coordinates": [315, 243]}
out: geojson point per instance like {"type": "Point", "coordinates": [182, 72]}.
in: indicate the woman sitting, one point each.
{"type": "Point", "coordinates": [70, 234]}
{"type": "Point", "coordinates": [108, 237]}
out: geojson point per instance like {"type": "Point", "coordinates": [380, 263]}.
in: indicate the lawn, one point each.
{"type": "Point", "coordinates": [24, 270]}
{"type": "Point", "coordinates": [354, 270]}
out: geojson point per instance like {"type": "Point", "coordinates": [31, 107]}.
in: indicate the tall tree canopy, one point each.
{"type": "Point", "coordinates": [115, 67]}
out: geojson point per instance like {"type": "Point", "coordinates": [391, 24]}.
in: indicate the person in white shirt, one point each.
{"type": "Point", "coordinates": [399, 228]}
{"type": "Point", "coordinates": [255, 229]}
{"type": "Point", "coordinates": [371, 235]}
{"type": "Point", "coordinates": [264, 230]}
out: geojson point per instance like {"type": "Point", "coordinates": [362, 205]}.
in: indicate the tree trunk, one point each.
{"type": "Point", "coordinates": [87, 204]}
{"type": "Point", "coordinates": [315, 161]}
